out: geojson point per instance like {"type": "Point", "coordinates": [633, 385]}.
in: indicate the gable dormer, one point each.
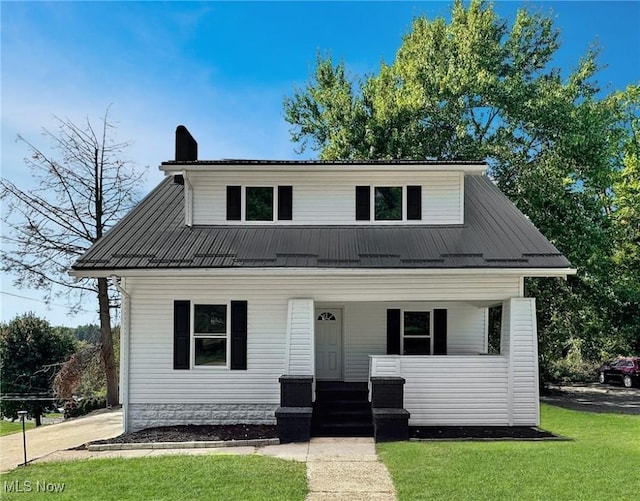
{"type": "Point", "coordinates": [270, 192]}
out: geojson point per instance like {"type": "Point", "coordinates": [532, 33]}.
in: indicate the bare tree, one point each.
{"type": "Point", "coordinates": [83, 186]}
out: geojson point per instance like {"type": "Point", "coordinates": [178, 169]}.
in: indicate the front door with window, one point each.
{"type": "Point", "coordinates": [328, 334]}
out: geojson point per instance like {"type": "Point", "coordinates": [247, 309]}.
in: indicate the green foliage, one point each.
{"type": "Point", "coordinates": [31, 352]}
{"type": "Point", "coordinates": [84, 406]}
{"type": "Point", "coordinates": [203, 477]}
{"type": "Point", "coordinates": [82, 375]}
{"type": "Point", "coordinates": [601, 459]}
{"type": "Point", "coordinates": [478, 87]}
{"type": "Point", "coordinates": [89, 333]}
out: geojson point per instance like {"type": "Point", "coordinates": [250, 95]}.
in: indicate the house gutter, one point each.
{"type": "Point", "coordinates": [125, 321]}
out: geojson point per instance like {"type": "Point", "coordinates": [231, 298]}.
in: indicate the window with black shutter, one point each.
{"type": "Point", "coordinates": [218, 330]}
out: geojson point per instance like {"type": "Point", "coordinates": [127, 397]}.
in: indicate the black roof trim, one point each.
{"type": "Point", "coordinates": [233, 161]}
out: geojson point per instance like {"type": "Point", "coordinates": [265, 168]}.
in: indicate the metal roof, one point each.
{"type": "Point", "coordinates": [153, 236]}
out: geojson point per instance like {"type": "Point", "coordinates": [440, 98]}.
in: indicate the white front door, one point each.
{"type": "Point", "coordinates": [328, 334]}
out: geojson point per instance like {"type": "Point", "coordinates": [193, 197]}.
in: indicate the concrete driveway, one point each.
{"type": "Point", "coordinates": [47, 439]}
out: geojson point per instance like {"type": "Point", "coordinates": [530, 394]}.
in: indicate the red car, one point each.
{"type": "Point", "coordinates": [625, 370]}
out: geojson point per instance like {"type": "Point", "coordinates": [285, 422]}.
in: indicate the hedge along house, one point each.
{"type": "Point", "coordinates": [235, 273]}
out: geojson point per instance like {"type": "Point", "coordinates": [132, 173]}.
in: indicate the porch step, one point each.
{"type": "Point", "coordinates": [341, 410]}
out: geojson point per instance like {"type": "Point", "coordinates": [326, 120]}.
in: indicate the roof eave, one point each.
{"type": "Point", "coordinates": [173, 168]}
{"type": "Point", "coordinates": [309, 271]}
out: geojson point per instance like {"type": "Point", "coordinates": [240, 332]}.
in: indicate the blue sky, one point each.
{"type": "Point", "coordinates": [222, 69]}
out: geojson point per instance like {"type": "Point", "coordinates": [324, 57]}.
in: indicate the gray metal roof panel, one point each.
{"type": "Point", "coordinates": [495, 235]}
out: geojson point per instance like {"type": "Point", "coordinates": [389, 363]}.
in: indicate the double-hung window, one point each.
{"type": "Point", "coordinates": [210, 334]}
{"type": "Point", "coordinates": [416, 333]}
{"type": "Point", "coordinates": [259, 203]}
{"type": "Point", "coordinates": [388, 203]}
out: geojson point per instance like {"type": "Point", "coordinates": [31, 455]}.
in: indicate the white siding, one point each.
{"type": "Point", "coordinates": [365, 326]}
{"type": "Point", "coordinates": [366, 332]}
{"type": "Point", "coordinates": [153, 380]}
{"type": "Point", "coordinates": [466, 330]}
{"type": "Point", "coordinates": [300, 329]}
{"type": "Point", "coordinates": [385, 366]}
{"type": "Point", "coordinates": [475, 390]}
{"type": "Point", "coordinates": [453, 390]}
{"type": "Point", "coordinates": [523, 359]}
{"type": "Point", "coordinates": [329, 197]}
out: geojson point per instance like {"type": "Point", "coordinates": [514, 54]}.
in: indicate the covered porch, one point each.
{"type": "Point", "coordinates": [452, 377]}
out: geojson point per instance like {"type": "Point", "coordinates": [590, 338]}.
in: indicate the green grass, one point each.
{"type": "Point", "coordinates": [224, 477]}
{"type": "Point", "coordinates": [9, 427]}
{"type": "Point", "coordinates": [602, 462]}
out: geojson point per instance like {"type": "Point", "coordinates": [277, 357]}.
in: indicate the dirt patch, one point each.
{"type": "Point", "coordinates": [192, 433]}
{"type": "Point", "coordinates": [479, 433]}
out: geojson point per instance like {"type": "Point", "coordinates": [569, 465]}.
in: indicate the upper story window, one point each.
{"type": "Point", "coordinates": [261, 203]}
{"type": "Point", "coordinates": [258, 203]}
{"type": "Point", "coordinates": [388, 203]}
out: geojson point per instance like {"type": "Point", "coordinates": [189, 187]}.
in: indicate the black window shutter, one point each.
{"type": "Point", "coordinates": [285, 203]}
{"type": "Point", "coordinates": [414, 202]}
{"type": "Point", "coordinates": [363, 203]}
{"type": "Point", "coordinates": [234, 203]}
{"type": "Point", "coordinates": [440, 332]}
{"type": "Point", "coordinates": [393, 332]}
{"type": "Point", "coordinates": [181, 334]}
{"type": "Point", "coordinates": [238, 335]}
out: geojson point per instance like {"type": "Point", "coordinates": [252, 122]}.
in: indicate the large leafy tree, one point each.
{"type": "Point", "coordinates": [31, 353]}
{"type": "Point", "coordinates": [84, 185]}
{"type": "Point", "coordinates": [477, 87]}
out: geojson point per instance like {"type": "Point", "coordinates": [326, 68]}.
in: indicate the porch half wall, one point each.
{"type": "Point", "coordinates": [474, 390]}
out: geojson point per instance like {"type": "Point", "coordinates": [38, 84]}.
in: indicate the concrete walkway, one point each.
{"type": "Point", "coordinates": [338, 469]}
{"type": "Point", "coordinates": [46, 440]}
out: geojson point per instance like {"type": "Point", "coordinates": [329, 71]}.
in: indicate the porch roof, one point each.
{"type": "Point", "coordinates": [496, 235]}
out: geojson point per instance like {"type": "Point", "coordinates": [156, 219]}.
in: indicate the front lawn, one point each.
{"type": "Point", "coordinates": [601, 462]}
{"type": "Point", "coordinates": [8, 427]}
{"type": "Point", "coordinates": [224, 477]}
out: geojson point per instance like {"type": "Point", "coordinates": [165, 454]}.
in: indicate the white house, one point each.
{"type": "Point", "coordinates": [234, 273]}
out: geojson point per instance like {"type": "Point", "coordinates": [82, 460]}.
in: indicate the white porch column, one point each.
{"type": "Point", "coordinates": [300, 360]}
{"type": "Point", "coordinates": [519, 343]}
